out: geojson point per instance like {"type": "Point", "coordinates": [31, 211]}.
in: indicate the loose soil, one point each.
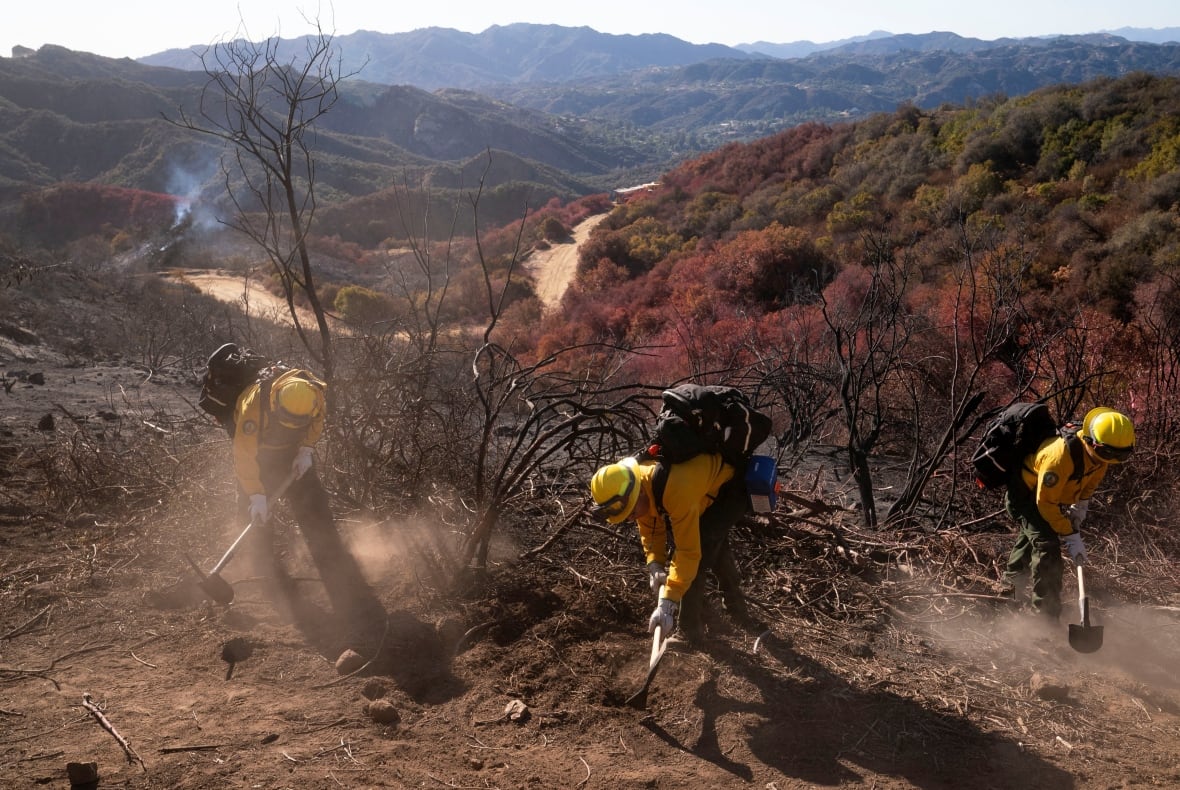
{"type": "Point", "coordinates": [870, 669]}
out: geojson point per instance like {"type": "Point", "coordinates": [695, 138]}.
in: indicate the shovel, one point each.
{"type": "Point", "coordinates": [1084, 638]}
{"type": "Point", "coordinates": [217, 588]}
{"type": "Point", "coordinates": [658, 643]}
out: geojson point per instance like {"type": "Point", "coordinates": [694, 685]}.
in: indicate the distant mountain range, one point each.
{"type": "Point", "coordinates": [566, 111]}
{"type": "Point", "coordinates": [694, 97]}
{"type": "Point", "coordinates": [897, 42]}
{"type": "Point", "coordinates": [434, 57]}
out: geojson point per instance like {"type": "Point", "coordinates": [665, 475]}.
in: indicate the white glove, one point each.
{"type": "Point", "coordinates": [664, 616]}
{"type": "Point", "coordinates": [1075, 547]}
{"type": "Point", "coordinates": [258, 509]}
{"type": "Point", "coordinates": [303, 461]}
{"type": "Point", "coordinates": [1077, 513]}
{"type": "Point", "coordinates": [657, 574]}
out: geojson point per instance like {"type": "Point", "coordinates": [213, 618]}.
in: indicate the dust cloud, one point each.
{"type": "Point", "coordinates": [1139, 651]}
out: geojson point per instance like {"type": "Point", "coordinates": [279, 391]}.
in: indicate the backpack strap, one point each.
{"type": "Point", "coordinates": [264, 382]}
{"type": "Point", "coordinates": [659, 484]}
{"type": "Point", "coordinates": [1077, 454]}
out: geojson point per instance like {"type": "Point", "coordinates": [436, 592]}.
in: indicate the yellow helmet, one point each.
{"type": "Point", "coordinates": [296, 402]}
{"type": "Point", "coordinates": [1109, 434]}
{"type": "Point", "coordinates": [615, 489]}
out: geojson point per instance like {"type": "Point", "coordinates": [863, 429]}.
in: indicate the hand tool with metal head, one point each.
{"type": "Point", "coordinates": [217, 588]}
{"type": "Point", "coordinates": [1084, 638]}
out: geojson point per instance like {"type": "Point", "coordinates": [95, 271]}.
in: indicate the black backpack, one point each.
{"type": "Point", "coordinates": [1014, 433]}
{"type": "Point", "coordinates": [229, 371]}
{"type": "Point", "coordinates": [699, 419]}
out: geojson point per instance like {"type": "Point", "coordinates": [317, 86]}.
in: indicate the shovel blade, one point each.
{"type": "Point", "coordinates": [639, 698]}
{"type": "Point", "coordinates": [1085, 638]}
{"type": "Point", "coordinates": [218, 589]}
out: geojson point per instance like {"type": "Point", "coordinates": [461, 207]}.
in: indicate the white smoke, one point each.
{"type": "Point", "coordinates": [186, 185]}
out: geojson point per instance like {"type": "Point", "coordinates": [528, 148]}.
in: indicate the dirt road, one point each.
{"type": "Point", "coordinates": [246, 292]}
{"type": "Point", "coordinates": [553, 269]}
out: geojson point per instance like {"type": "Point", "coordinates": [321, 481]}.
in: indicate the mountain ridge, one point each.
{"type": "Point", "coordinates": [632, 111]}
{"type": "Point", "coordinates": [527, 53]}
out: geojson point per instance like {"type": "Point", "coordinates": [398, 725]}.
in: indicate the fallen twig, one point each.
{"type": "Point", "coordinates": [561, 530]}
{"type": "Point", "coordinates": [935, 594]}
{"type": "Point", "coordinates": [204, 747]}
{"type": "Point", "coordinates": [145, 663]}
{"type": "Point", "coordinates": [44, 673]}
{"type": "Point", "coordinates": [329, 725]}
{"type": "Point", "coordinates": [587, 779]}
{"type": "Point", "coordinates": [470, 632]}
{"type": "Point", "coordinates": [132, 757]}
{"type": "Point", "coordinates": [20, 629]}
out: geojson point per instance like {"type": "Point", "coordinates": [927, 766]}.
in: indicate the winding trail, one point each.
{"type": "Point", "coordinates": [245, 292]}
{"type": "Point", "coordinates": [553, 269]}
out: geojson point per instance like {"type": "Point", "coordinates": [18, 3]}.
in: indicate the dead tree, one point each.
{"type": "Point", "coordinates": [869, 334]}
{"type": "Point", "coordinates": [265, 110]}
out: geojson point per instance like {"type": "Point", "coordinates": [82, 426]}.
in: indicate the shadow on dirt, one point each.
{"type": "Point", "coordinates": [394, 644]}
{"type": "Point", "coordinates": [814, 726]}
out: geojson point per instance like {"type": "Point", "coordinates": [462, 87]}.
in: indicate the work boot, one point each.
{"type": "Point", "coordinates": [690, 630]}
{"type": "Point", "coordinates": [739, 613]}
{"type": "Point", "coordinates": [1011, 586]}
{"type": "Point", "coordinates": [681, 640]}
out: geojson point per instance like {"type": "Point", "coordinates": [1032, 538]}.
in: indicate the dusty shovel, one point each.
{"type": "Point", "coordinates": [658, 643]}
{"type": "Point", "coordinates": [217, 588]}
{"type": "Point", "coordinates": [1084, 638]}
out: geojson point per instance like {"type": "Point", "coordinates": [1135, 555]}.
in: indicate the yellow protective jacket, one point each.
{"type": "Point", "coordinates": [258, 431]}
{"type": "Point", "coordinates": [1049, 474]}
{"type": "Point", "coordinates": [691, 487]}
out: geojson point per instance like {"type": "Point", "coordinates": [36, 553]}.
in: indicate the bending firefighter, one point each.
{"type": "Point", "coordinates": [1049, 499]}
{"type": "Point", "coordinates": [277, 422]}
{"type": "Point", "coordinates": [694, 503]}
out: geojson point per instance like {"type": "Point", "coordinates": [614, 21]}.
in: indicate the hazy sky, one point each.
{"type": "Point", "coordinates": [134, 28]}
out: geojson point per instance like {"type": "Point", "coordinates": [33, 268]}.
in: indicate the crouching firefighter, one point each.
{"type": "Point", "coordinates": [684, 512]}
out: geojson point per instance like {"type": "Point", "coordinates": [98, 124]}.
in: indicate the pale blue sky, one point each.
{"type": "Point", "coordinates": [133, 28]}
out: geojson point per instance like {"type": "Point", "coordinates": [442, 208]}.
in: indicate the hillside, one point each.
{"type": "Point", "coordinates": [434, 57]}
{"type": "Point", "coordinates": [885, 660]}
{"type": "Point", "coordinates": [875, 286]}
{"type": "Point", "coordinates": [563, 112]}
{"type": "Point", "coordinates": [690, 98]}
{"type": "Point", "coordinates": [721, 100]}
{"type": "Point", "coordinates": [68, 116]}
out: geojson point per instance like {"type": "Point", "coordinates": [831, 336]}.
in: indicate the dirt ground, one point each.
{"type": "Point", "coordinates": [247, 293]}
{"type": "Point", "coordinates": [909, 688]}
{"type": "Point", "coordinates": [875, 673]}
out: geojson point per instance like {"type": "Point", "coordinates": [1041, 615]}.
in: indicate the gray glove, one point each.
{"type": "Point", "coordinates": [258, 509]}
{"type": "Point", "coordinates": [1075, 547]}
{"type": "Point", "coordinates": [1077, 513]}
{"type": "Point", "coordinates": [663, 616]}
{"type": "Point", "coordinates": [303, 461]}
{"type": "Point", "coordinates": [657, 574]}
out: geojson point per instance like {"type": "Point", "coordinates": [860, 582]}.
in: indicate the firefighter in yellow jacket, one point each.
{"type": "Point", "coordinates": [277, 423]}
{"type": "Point", "coordinates": [701, 499]}
{"type": "Point", "coordinates": [1050, 498]}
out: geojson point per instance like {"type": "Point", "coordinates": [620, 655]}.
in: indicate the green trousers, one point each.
{"type": "Point", "coordinates": [1037, 551]}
